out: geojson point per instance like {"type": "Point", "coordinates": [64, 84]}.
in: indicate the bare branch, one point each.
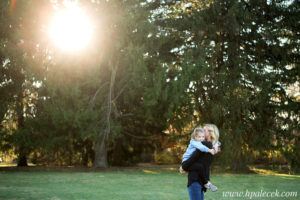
{"type": "Point", "coordinates": [152, 137]}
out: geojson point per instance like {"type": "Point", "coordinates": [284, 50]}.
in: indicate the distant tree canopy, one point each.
{"type": "Point", "coordinates": [153, 66]}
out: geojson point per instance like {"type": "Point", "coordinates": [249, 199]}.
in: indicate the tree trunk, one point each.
{"type": "Point", "coordinates": [100, 146]}
{"type": "Point", "coordinates": [22, 151]}
{"type": "Point", "coordinates": [100, 154]}
{"type": "Point", "coordinates": [22, 159]}
{"type": "Point", "coordinates": [117, 153]}
{"type": "Point", "coordinates": [238, 159]}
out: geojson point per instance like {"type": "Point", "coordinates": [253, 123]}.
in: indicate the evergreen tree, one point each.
{"type": "Point", "coordinates": [111, 96]}
{"type": "Point", "coordinates": [240, 56]}
{"type": "Point", "coordinates": [16, 86]}
{"type": "Point", "coordinates": [142, 99]}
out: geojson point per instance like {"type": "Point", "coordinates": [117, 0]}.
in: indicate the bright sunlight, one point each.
{"type": "Point", "coordinates": [71, 29]}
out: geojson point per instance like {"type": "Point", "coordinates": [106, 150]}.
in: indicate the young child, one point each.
{"type": "Point", "coordinates": [191, 155]}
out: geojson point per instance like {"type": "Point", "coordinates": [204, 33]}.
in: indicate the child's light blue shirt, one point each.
{"type": "Point", "coordinates": [194, 144]}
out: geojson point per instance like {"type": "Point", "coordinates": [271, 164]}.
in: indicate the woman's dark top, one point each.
{"type": "Point", "coordinates": [198, 166]}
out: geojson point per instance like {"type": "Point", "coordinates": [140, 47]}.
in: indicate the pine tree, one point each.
{"type": "Point", "coordinates": [15, 84]}
{"type": "Point", "coordinates": [238, 66]}
{"type": "Point", "coordinates": [111, 96]}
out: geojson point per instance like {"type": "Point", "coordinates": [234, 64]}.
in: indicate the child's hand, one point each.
{"type": "Point", "coordinates": [216, 148]}
{"type": "Point", "coordinates": [182, 171]}
{"type": "Point", "coordinates": [211, 151]}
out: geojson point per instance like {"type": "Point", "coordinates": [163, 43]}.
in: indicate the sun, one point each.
{"type": "Point", "coordinates": [71, 29]}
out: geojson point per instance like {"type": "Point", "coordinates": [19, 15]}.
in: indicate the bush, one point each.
{"type": "Point", "coordinates": [165, 157]}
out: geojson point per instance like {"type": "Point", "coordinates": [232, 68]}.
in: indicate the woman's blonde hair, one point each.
{"type": "Point", "coordinates": [196, 131]}
{"type": "Point", "coordinates": [214, 132]}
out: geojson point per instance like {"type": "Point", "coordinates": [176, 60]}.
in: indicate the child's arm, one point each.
{"type": "Point", "coordinates": [201, 147]}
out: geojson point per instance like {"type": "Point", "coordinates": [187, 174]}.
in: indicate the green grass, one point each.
{"type": "Point", "coordinates": [131, 183]}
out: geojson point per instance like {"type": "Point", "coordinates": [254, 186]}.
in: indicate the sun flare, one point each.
{"type": "Point", "coordinates": [71, 29]}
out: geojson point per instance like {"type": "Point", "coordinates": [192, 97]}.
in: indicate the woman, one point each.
{"type": "Point", "coordinates": [198, 164]}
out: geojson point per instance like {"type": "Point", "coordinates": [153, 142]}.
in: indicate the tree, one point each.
{"type": "Point", "coordinates": [238, 67]}
{"type": "Point", "coordinates": [116, 91]}
{"type": "Point", "coordinates": [15, 84]}
{"type": "Point", "coordinates": [139, 97]}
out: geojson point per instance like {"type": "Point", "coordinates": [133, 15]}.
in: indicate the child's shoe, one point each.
{"type": "Point", "coordinates": [211, 187]}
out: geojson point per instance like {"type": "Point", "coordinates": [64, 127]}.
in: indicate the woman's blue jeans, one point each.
{"type": "Point", "coordinates": [195, 191]}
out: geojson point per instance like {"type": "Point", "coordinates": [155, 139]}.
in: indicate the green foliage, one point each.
{"type": "Point", "coordinates": [16, 86]}
{"type": "Point", "coordinates": [155, 66]}
{"type": "Point", "coordinates": [165, 157]}
{"type": "Point", "coordinates": [238, 68]}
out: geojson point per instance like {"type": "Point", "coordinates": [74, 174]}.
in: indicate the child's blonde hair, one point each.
{"type": "Point", "coordinates": [196, 131]}
{"type": "Point", "coordinates": [214, 132]}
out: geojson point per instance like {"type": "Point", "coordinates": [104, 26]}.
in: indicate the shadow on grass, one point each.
{"type": "Point", "coordinates": [149, 168]}
{"type": "Point", "coordinates": [145, 168]}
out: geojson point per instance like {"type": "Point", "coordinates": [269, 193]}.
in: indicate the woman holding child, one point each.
{"type": "Point", "coordinates": [197, 159]}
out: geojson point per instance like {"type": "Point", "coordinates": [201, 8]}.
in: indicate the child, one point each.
{"type": "Point", "coordinates": [191, 155]}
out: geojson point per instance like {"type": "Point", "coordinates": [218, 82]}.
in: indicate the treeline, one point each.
{"type": "Point", "coordinates": [154, 71]}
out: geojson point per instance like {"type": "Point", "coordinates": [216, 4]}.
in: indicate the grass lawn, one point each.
{"type": "Point", "coordinates": [156, 183]}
